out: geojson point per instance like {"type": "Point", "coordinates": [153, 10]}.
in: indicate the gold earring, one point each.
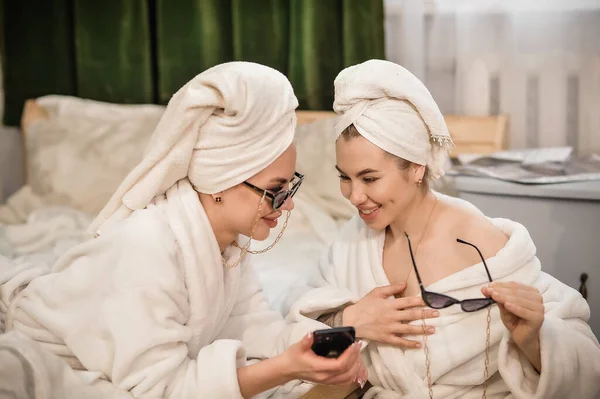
{"type": "Point", "coordinates": [420, 182]}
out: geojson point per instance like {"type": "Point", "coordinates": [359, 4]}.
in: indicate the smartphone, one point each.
{"type": "Point", "coordinates": [333, 342]}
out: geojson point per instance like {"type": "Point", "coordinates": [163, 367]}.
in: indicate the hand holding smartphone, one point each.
{"type": "Point", "coordinates": [332, 342]}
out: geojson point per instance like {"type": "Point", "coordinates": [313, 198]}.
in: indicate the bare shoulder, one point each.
{"type": "Point", "coordinates": [457, 223]}
{"type": "Point", "coordinates": [478, 230]}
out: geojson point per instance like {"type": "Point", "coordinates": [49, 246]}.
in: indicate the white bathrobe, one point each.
{"type": "Point", "coordinates": [570, 352]}
{"type": "Point", "coordinates": [149, 306]}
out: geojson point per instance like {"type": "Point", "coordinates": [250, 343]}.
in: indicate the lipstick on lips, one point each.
{"type": "Point", "coordinates": [271, 222]}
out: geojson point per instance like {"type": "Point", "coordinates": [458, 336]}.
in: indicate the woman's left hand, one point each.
{"type": "Point", "coordinates": [522, 312]}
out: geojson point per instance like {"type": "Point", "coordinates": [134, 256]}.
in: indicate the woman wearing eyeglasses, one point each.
{"type": "Point", "coordinates": [163, 302]}
{"type": "Point", "coordinates": [451, 303]}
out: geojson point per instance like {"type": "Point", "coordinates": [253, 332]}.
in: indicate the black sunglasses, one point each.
{"type": "Point", "coordinates": [441, 301]}
{"type": "Point", "coordinates": [278, 199]}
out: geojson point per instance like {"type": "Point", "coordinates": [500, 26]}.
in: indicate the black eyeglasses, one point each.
{"type": "Point", "coordinates": [441, 301]}
{"type": "Point", "coordinates": [278, 199]}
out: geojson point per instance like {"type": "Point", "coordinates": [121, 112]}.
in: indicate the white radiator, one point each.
{"type": "Point", "coordinates": [536, 60]}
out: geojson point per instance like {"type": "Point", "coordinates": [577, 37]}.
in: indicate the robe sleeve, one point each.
{"type": "Point", "coordinates": [570, 353]}
{"type": "Point", "coordinates": [120, 304]}
{"type": "Point", "coordinates": [146, 333]}
{"type": "Point", "coordinates": [326, 291]}
{"type": "Point", "coordinates": [262, 330]}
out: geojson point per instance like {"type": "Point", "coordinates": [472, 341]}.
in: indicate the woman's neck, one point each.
{"type": "Point", "coordinates": [414, 218]}
{"type": "Point", "coordinates": [224, 237]}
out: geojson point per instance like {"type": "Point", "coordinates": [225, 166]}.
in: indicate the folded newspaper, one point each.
{"type": "Point", "coordinates": [530, 166]}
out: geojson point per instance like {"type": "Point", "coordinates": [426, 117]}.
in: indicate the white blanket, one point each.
{"type": "Point", "coordinates": [34, 232]}
{"type": "Point", "coordinates": [148, 308]}
{"type": "Point", "coordinates": [570, 353]}
{"type": "Point", "coordinates": [28, 371]}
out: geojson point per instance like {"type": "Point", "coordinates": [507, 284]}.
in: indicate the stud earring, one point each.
{"type": "Point", "coordinates": [218, 199]}
{"type": "Point", "coordinates": [420, 182]}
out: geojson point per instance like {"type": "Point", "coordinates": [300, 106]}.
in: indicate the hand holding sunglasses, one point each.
{"type": "Point", "coordinates": [522, 313]}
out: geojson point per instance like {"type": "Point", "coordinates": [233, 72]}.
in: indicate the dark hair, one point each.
{"type": "Point", "coordinates": [351, 132]}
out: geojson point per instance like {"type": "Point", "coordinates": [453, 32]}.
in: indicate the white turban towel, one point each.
{"type": "Point", "coordinates": [393, 109]}
{"type": "Point", "coordinates": [223, 127]}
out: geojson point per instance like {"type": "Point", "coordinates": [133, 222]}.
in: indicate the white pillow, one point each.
{"type": "Point", "coordinates": [315, 143]}
{"type": "Point", "coordinates": [80, 155]}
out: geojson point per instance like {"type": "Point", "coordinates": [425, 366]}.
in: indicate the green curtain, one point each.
{"type": "Point", "coordinates": [142, 51]}
{"type": "Point", "coordinates": [37, 54]}
{"type": "Point", "coordinates": [112, 50]}
{"type": "Point", "coordinates": [191, 36]}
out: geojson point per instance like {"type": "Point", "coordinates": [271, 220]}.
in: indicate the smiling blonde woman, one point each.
{"type": "Point", "coordinates": [452, 303]}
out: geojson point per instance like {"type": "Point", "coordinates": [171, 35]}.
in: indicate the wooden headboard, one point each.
{"type": "Point", "coordinates": [477, 134]}
{"type": "Point", "coordinates": [305, 117]}
{"type": "Point", "coordinates": [471, 134]}
{"type": "Point", "coordinates": [33, 111]}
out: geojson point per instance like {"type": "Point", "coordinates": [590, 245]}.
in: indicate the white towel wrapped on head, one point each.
{"type": "Point", "coordinates": [221, 128]}
{"type": "Point", "coordinates": [392, 109]}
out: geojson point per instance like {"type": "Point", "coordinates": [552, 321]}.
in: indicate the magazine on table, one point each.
{"type": "Point", "coordinates": [530, 166]}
